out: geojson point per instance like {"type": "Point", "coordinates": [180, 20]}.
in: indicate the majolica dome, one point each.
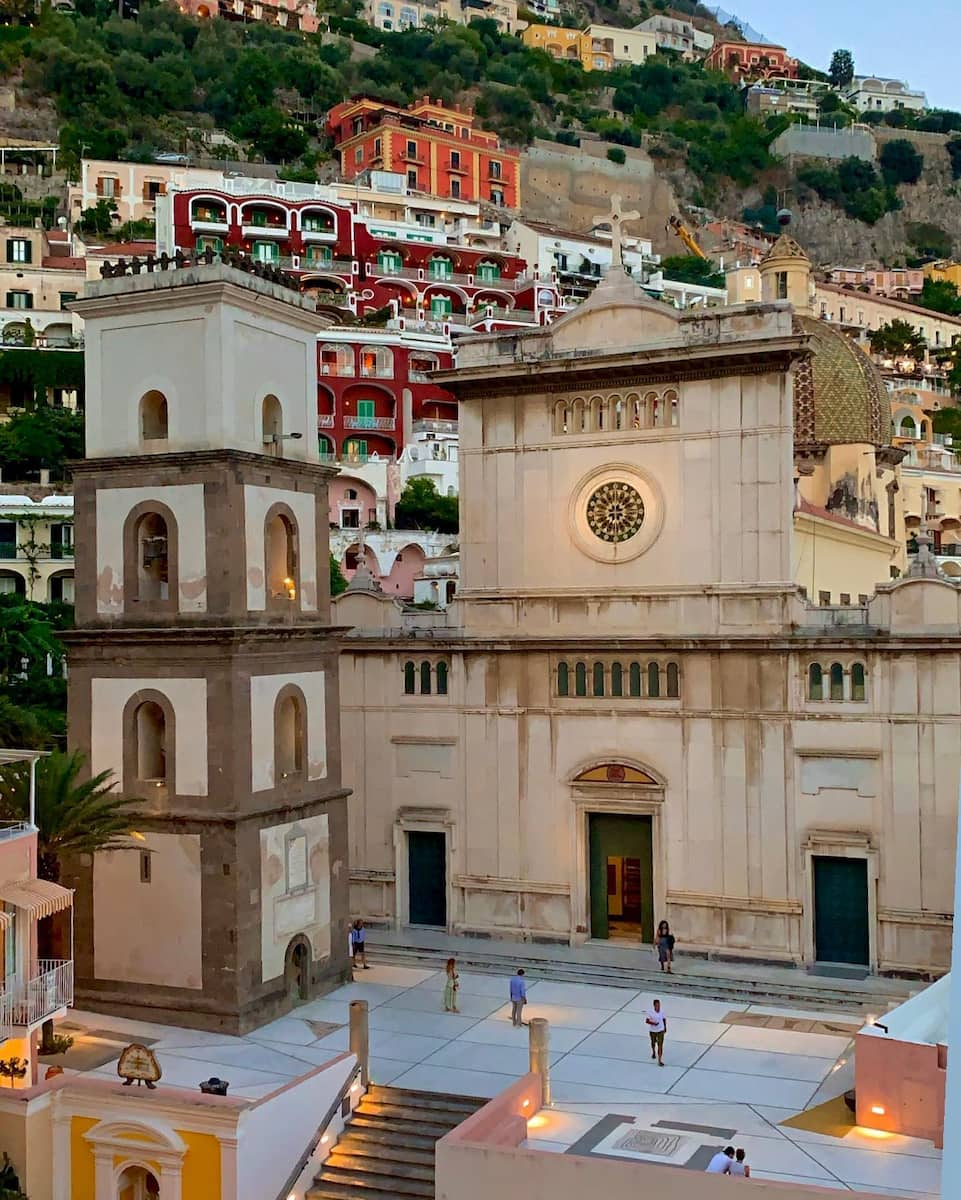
{"type": "Point", "coordinates": [839, 395]}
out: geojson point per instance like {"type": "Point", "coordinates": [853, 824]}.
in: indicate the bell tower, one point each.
{"type": "Point", "coordinates": [203, 667]}
{"type": "Point", "coordinates": [786, 275]}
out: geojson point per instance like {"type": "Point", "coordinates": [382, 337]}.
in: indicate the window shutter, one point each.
{"type": "Point", "coordinates": [10, 245]}
{"type": "Point", "coordinates": [27, 251]}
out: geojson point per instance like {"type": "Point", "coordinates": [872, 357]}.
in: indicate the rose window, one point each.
{"type": "Point", "coordinates": [615, 512]}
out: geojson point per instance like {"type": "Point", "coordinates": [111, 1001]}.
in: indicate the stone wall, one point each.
{"type": "Point", "coordinates": [570, 185]}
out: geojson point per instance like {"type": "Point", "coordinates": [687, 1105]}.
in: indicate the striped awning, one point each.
{"type": "Point", "coordinates": [39, 897]}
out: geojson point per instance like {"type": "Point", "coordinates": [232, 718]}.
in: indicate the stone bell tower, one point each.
{"type": "Point", "coordinates": [203, 668]}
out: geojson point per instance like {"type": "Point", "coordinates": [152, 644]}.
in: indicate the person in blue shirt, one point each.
{"type": "Point", "coordinates": [518, 996]}
{"type": "Point", "coordinates": [358, 942]}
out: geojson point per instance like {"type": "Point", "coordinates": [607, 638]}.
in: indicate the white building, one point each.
{"type": "Point", "coordinates": [871, 93]}
{"type": "Point", "coordinates": [674, 33]}
{"type": "Point", "coordinates": [577, 260]}
{"type": "Point", "coordinates": [438, 584]}
{"type": "Point", "coordinates": [36, 548]}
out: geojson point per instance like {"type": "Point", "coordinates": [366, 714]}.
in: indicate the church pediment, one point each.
{"type": "Point", "coordinates": [616, 773]}
{"type": "Point", "coordinates": [618, 315]}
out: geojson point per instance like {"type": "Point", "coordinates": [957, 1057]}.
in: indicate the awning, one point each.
{"type": "Point", "coordinates": [39, 897]}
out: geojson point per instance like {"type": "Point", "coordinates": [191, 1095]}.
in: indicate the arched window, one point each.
{"type": "Point", "coordinates": [425, 678]}
{"type": "Point", "coordinates": [634, 410]}
{"type": "Point", "coordinates": [837, 681]}
{"type": "Point", "coordinates": [651, 409]}
{"type": "Point", "coordinates": [815, 682]}
{"type": "Point", "coordinates": [578, 416]}
{"type": "Point", "coordinates": [599, 418]}
{"type": "Point", "coordinates": [670, 407]}
{"type": "Point", "coordinates": [336, 359]}
{"type": "Point", "coordinates": [634, 679]}
{"type": "Point", "coordinates": [653, 679]}
{"type": "Point", "coordinates": [858, 682]}
{"type": "Point", "coordinates": [563, 679]}
{"type": "Point", "coordinates": [617, 679]}
{"type": "Point", "coordinates": [288, 738]}
{"type": "Point", "coordinates": [376, 362]}
{"type": "Point", "coordinates": [908, 428]}
{"type": "Point", "coordinates": [410, 678]}
{"type": "Point", "coordinates": [150, 727]}
{"type": "Point", "coordinates": [580, 679]}
{"type": "Point", "coordinates": [442, 679]}
{"type": "Point", "coordinates": [280, 546]}
{"type": "Point", "coordinates": [673, 681]}
{"type": "Point", "coordinates": [617, 412]}
{"type": "Point", "coordinates": [153, 416]}
{"type": "Point", "coordinates": [272, 424]}
{"type": "Point", "coordinates": [561, 417]}
{"type": "Point", "coordinates": [598, 674]}
{"type": "Point", "coordinates": [152, 549]}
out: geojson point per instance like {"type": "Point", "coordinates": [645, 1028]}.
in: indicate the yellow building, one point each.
{"type": "Point", "coordinates": [597, 48]}
{"type": "Point", "coordinates": [946, 270]}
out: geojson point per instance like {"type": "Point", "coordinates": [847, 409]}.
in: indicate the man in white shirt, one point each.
{"type": "Point", "coordinates": [720, 1164]}
{"type": "Point", "coordinates": [657, 1027]}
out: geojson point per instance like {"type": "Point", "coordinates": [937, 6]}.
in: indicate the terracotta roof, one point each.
{"type": "Point", "coordinates": [815, 510]}
{"type": "Point", "coordinates": [122, 250]}
{"type": "Point", "coordinates": [57, 235]}
{"type": "Point", "coordinates": [62, 263]}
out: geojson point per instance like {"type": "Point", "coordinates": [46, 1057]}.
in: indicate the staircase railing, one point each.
{"type": "Point", "coordinates": [336, 1109]}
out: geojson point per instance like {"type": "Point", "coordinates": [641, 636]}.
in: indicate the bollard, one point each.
{"type": "Point", "coordinates": [540, 1044]}
{"type": "Point", "coordinates": [359, 1038]}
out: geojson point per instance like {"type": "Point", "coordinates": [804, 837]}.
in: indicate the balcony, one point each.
{"type": "Point", "coordinates": [257, 225]}
{"type": "Point", "coordinates": [384, 424]}
{"type": "Point", "coordinates": [325, 421]}
{"type": "Point", "coordinates": [27, 1004]}
{"type": "Point", "coordinates": [209, 220]}
{"type": "Point", "coordinates": [426, 425]}
{"type": "Point", "coordinates": [11, 829]}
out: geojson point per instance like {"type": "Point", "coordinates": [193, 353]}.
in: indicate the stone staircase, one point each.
{"type": "Point", "coordinates": [386, 1151]}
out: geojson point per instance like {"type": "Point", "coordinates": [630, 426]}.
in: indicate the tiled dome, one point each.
{"type": "Point", "coordinates": [839, 395]}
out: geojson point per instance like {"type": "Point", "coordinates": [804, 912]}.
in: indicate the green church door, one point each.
{"type": "Point", "coordinates": [841, 929]}
{"type": "Point", "coordinates": [622, 877]}
{"type": "Point", "coordinates": [427, 878]}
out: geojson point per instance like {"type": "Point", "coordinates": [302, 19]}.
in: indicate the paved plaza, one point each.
{"type": "Point", "coordinates": [733, 1072]}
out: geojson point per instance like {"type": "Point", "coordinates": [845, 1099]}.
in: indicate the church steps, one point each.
{"type": "Point", "coordinates": [386, 1151]}
{"type": "Point", "coordinates": [804, 990]}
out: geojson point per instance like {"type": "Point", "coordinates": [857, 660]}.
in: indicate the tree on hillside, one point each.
{"type": "Point", "coordinates": [422, 507]}
{"type": "Point", "coordinates": [901, 162]}
{"type": "Point", "coordinates": [841, 70]}
{"type": "Point", "coordinates": [45, 437]}
{"type": "Point", "coordinates": [941, 295]}
{"type": "Point", "coordinates": [898, 338]}
{"type": "Point", "coordinates": [688, 268]}
{"type": "Point", "coordinates": [338, 583]}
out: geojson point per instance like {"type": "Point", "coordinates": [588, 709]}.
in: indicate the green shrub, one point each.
{"type": "Point", "coordinates": [616, 155]}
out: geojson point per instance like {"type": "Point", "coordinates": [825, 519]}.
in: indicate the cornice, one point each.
{"type": "Point", "coordinates": [185, 459]}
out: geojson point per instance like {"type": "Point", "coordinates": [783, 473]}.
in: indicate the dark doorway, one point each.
{"type": "Point", "coordinates": [622, 877]}
{"type": "Point", "coordinates": [427, 878]}
{"type": "Point", "coordinates": [841, 928]}
{"type": "Point", "coordinates": [298, 972]}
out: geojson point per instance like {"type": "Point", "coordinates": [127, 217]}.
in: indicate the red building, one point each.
{"type": "Point", "coordinates": [373, 385]}
{"type": "Point", "coordinates": [437, 148]}
{"type": "Point", "coordinates": [751, 60]}
{"type": "Point", "coordinates": [334, 252]}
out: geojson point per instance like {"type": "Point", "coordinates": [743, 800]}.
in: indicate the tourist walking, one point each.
{"type": "Point", "coordinates": [518, 997]}
{"type": "Point", "coordinates": [451, 984]}
{"type": "Point", "coordinates": [358, 943]}
{"type": "Point", "coordinates": [720, 1164]}
{"type": "Point", "coordinates": [664, 944]}
{"type": "Point", "coordinates": [657, 1027]}
{"type": "Point", "coordinates": [739, 1166]}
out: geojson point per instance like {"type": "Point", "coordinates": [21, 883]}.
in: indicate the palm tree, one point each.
{"type": "Point", "coordinates": [72, 816]}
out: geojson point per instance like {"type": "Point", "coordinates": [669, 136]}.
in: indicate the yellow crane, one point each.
{"type": "Point", "coordinates": [685, 235]}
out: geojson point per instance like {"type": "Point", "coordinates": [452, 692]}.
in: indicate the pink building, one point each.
{"type": "Point", "coordinates": [33, 988]}
{"type": "Point", "coordinates": [900, 1067]}
{"type": "Point", "coordinates": [901, 283]}
{"type": "Point", "coordinates": [288, 14]}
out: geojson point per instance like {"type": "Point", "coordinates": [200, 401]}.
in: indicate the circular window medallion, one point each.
{"type": "Point", "coordinates": [615, 512]}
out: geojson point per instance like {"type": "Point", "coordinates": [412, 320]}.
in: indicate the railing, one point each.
{"type": "Point", "coordinates": [325, 421]}
{"type": "Point", "coordinates": [472, 279]}
{"type": "Point", "coordinates": [10, 829]}
{"type": "Point", "coordinates": [357, 460]}
{"type": "Point", "coordinates": [377, 372]}
{"type": "Point", "coordinates": [385, 423]}
{"type": "Point", "coordinates": [37, 999]}
{"type": "Point", "coordinates": [426, 425]}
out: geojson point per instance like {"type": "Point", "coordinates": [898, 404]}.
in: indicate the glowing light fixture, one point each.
{"type": "Point", "coordinates": [878, 1109]}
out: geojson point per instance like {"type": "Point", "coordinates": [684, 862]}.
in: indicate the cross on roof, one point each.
{"type": "Point", "coordinates": [615, 218]}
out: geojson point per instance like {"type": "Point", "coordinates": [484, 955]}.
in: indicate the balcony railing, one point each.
{"type": "Point", "coordinates": [30, 1002]}
{"type": "Point", "coordinates": [9, 829]}
{"type": "Point", "coordinates": [383, 423]}
{"type": "Point", "coordinates": [325, 421]}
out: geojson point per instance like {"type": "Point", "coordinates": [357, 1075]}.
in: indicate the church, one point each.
{"type": "Point", "coordinates": [640, 705]}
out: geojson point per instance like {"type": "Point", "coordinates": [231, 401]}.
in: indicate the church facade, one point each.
{"type": "Point", "coordinates": [632, 711]}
